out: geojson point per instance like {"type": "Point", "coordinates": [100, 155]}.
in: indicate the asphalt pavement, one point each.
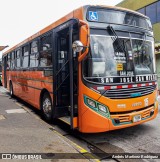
{"type": "Point", "coordinates": [29, 136]}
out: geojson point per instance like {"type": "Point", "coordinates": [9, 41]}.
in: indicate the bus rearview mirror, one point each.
{"type": "Point", "coordinates": [77, 46]}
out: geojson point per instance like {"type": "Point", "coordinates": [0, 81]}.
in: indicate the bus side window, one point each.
{"type": "Point", "coordinates": [34, 55]}
{"type": "Point", "coordinates": [1, 65]}
{"type": "Point", "coordinates": [18, 59]}
{"type": "Point", "coordinates": [46, 51]}
{"type": "Point", "coordinates": [13, 60]}
{"type": "Point", "coordinates": [9, 61]}
{"type": "Point", "coordinates": [25, 56]}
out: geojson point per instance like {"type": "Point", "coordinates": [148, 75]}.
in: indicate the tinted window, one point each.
{"type": "Point", "coordinates": [151, 12]}
{"type": "Point", "coordinates": [34, 47]}
{"type": "Point", "coordinates": [158, 11]}
{"type": "Point", "coordinates": [34, 55]}
{"type": "Point", "coordinates": [18, 59]}
{"type": "Point", "coordinates": [142, 11]}
{"type": "Point", "coordinates": [9, 61]}
{"type": "Point", "coordinates": [13, 60]}
{"type": "Point", "coordinates": [46, 51]}
{"type": "Point", "coordinates": [25, 56]}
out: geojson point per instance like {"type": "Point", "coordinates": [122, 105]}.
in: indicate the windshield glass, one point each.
{"type": "Point", "coordinates": [143, 56]}
{"type": "Point", "coordinates": [112, 57]}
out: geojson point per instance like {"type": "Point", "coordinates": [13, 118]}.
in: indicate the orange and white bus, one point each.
{"type": "Point", "coordinates": [94, 69]}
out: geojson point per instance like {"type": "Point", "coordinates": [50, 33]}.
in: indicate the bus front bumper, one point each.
{"type": "Point", "coordinates": [134, 118]}
{"type": "Point", "coordinates": [91, 122]}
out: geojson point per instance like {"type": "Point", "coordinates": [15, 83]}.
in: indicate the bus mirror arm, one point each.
{"type": "Point", "coordinates": [84, 37]}
{"type": "Point", "coordinates": [83, 55]}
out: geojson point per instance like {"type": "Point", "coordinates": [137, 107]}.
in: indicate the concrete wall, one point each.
{"type": "Point", "coordinates": [135, 4]}
{"type": "Point", "coordinates": [156, 29]}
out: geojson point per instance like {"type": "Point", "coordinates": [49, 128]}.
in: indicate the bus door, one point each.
{"type": "Point", "coordinates": [5, 71]}
{"type": "Point", "coordinates": [65, 73]}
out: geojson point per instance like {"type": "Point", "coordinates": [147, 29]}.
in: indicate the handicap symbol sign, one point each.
{"type": "Point", "coordinates": [93, 16]}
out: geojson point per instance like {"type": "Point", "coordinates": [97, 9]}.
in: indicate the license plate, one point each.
{"type": "Point", "coordinates": [136, 118]}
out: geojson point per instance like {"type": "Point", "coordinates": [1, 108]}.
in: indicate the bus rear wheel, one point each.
{"type": "Point", "coordinates": [46, 106]}
{"type": "Point", "coordinates": [11, 89]}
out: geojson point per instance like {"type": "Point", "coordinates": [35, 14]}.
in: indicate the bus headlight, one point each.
{"type": "Point", "coordinates": [91, 103]}
{"type": "Point", "coordinates": [102, 108]}
{"type": "Point", "coordinates": [96, 106]}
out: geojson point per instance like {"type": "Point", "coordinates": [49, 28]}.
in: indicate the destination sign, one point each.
{"type": "Point", "coordinates": [125, 79]}
{"type": "Point", "coordinates": [117, 17]}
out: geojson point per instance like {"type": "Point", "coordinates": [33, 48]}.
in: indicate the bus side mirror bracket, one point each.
{"type": "Point", "coordinates": [84, 39]}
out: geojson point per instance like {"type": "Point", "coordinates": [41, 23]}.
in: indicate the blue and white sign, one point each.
{"type": "Point", "coordinates": [93, 16]}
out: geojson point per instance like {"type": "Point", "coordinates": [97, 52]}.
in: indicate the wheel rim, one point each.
{"type": "Point", "coordinates": [47, 107]}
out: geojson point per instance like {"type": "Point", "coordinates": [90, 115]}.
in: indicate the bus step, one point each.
{"type": "Point", "coordinates": [61, 111]}
{"type": "Point", "coordinates": [66, 119]}
{"type": "Point", "coordinates": [62, 107]}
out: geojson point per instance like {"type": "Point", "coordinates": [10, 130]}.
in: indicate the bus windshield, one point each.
{"type": "Point", "coordinates": [110, 57]}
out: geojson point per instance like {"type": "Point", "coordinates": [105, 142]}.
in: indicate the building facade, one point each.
{"type": "Point", "coordinates": [150, 8]}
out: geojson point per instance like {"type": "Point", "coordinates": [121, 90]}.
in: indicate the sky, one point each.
{"type": "Point", "coordinates": [19, 19]}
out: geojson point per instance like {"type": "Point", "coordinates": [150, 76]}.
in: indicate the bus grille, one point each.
{"type": "Point", "coordinates": [124, 118]}
{"type": "Point", "coordinates": [146, 114]}
{"type": "Point", "coordinates": [128, 117]}
{"type": "Point", "coordinates": [126, 93]}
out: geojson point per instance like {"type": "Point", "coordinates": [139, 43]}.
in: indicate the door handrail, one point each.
{"type": "Point", "coordinates": [62, 67]}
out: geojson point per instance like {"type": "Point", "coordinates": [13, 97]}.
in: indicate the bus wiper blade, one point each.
{"type": "Point", "coordinates": [120, 45]}
{"type": "Point", "coordinates": [144, 39]}
{"type": "Point", "coordinates": [142, 46]}
{"type": "Point", "coordinates": [116, 39]}
{"type": "Point", "coordinates": [112, 31]}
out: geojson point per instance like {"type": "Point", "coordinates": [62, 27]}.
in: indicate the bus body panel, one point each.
{"type": "Point", "coordinates": [28, 86]}
{"type": "Point", "coordinates": [114, 127]}
{"type": "Point", "coordinates": [92, 122]}
{"type": "Point", "coordinates": [128, 105]}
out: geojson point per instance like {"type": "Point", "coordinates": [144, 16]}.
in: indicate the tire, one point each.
{"type": "Point", "coordinates": [46, 107]}
{"type": "Point", "coordinates": [11, 90]}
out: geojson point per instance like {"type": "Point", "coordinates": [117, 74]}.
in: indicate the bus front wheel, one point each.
{"type": "Point", "coordinates": [46, 106]}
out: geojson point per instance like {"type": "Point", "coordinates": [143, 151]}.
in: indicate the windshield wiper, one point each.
{"type": "Point", "coordinates": [116, 39]}
{"type": "Point", "coordinates": [146, 58]}
{"type": "Point", "coordinates": [141, 50]}
{"type": "Point", "coordinates": [120, 46]}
